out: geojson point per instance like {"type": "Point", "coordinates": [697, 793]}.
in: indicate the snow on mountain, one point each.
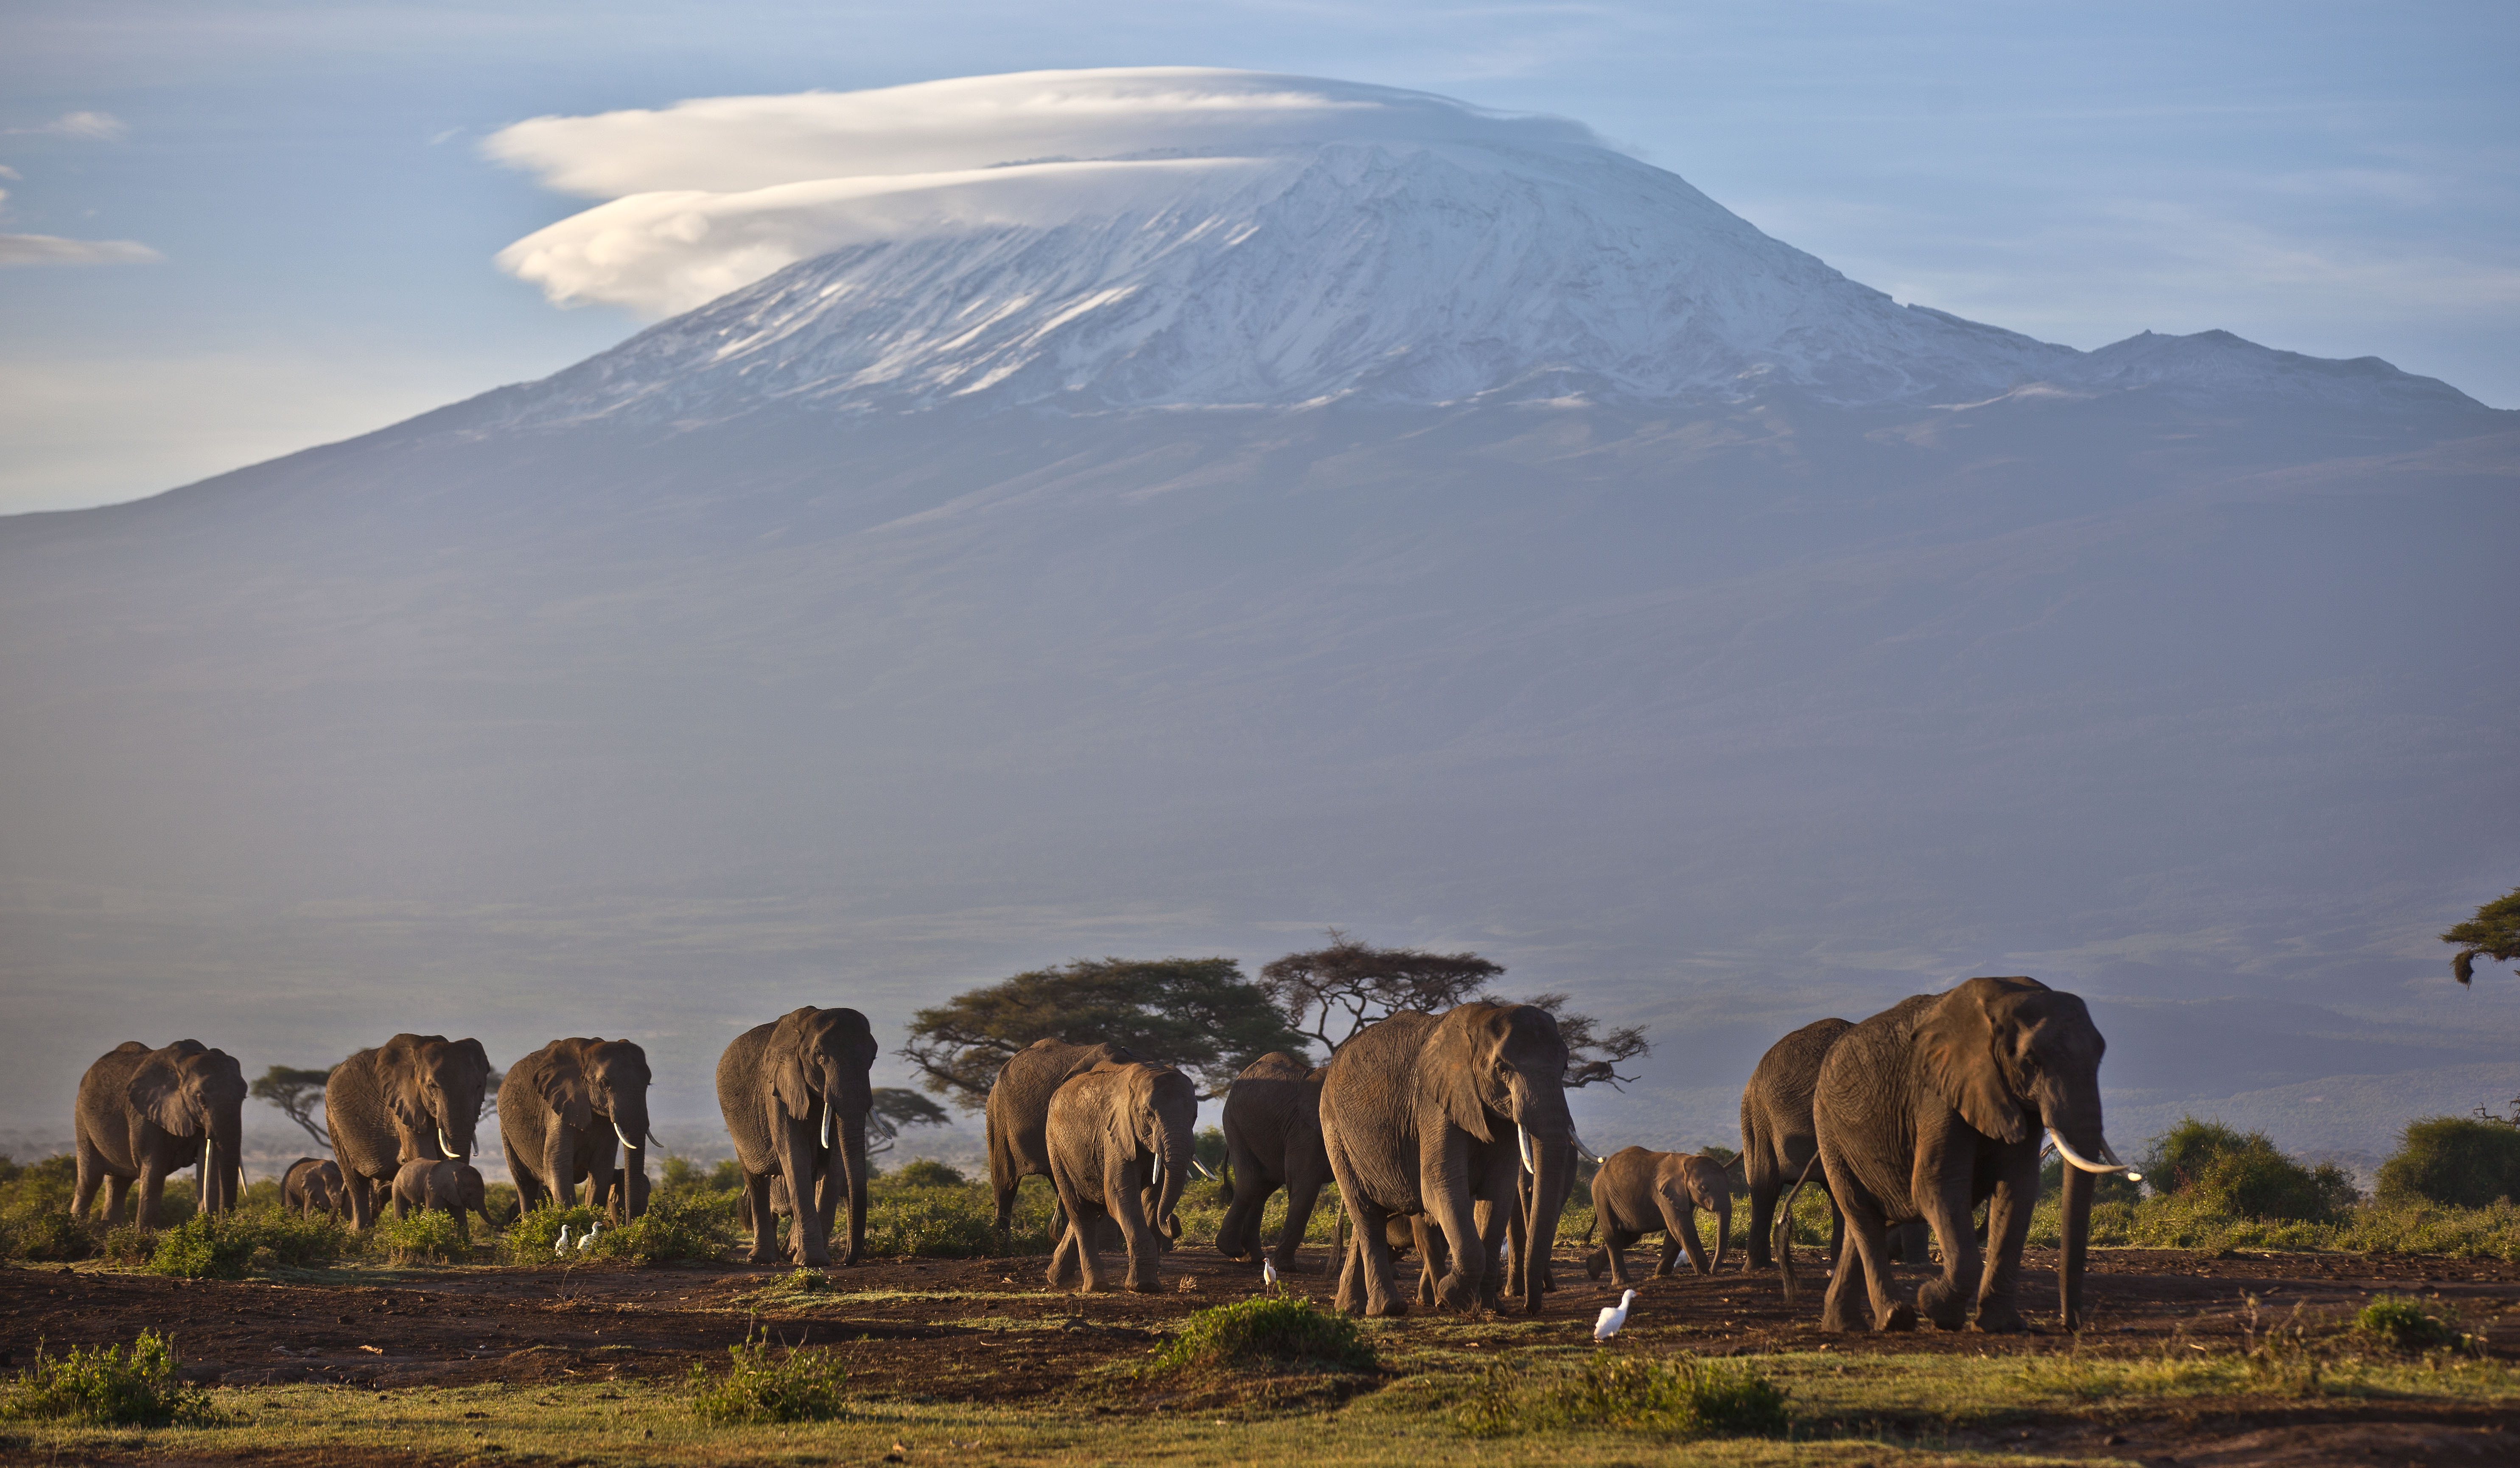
{"type": "Point", "coordinates": [1320, 242]}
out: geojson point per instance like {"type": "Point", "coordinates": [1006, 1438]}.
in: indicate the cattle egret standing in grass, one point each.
{"type": "Point", "coordinates": [563, 1246]}
{"type": "Point", "coordinates": [1613, 1316]}
{"type": "Point", "coordinates": [1268, 1271]}
{"type": "Point", "coordinates": [588, 1242]}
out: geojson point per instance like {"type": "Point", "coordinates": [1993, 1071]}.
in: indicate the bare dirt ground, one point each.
{"type": "Point", "coordinates": [987, 1330]}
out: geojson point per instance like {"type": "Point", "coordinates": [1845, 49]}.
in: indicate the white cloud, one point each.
{"type": "Point", "coordinates": [713, 193]}
{"type": "Point", "coordinates": [8, 172]}
{"type": "Point", "coordinates": [92, 127]}
{"type": "Point", "coordinates": [51, 249]}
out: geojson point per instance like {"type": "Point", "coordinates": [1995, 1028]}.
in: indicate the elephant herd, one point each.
{"type": "Point", "coordinates": [1908, 1121]}
{"type": "Point", "coordinates": [1448, 1133]}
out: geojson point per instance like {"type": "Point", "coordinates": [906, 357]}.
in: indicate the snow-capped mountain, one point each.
{"type": "Point", "coordinates": [1324, 242]}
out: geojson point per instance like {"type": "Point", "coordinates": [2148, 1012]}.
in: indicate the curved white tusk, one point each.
{"type": "Point", "coordinates": [831, 1126]}
{"type": "Point", "coordinates": [1202, 1169]}
{"type": "Point", "coordinates": [1522, 1148]}
{"type": "Point", "coordinates": [626, 1142]}
{"type": "Point", "coordinates": [447, 1147]}
{"type": "Point", "coordinates": [2066, 1150]}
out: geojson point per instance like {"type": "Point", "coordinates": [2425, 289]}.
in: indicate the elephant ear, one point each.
{"type": "Point", "coordinates": [1120, 1108]}
{"type": "Point", "coordinates": [472, 1051]}
{"type": "Point", "coordinates": [1956, 1049]}
{"type": "Point", "coordinates": [785, 1057]}
{"type": "Point", "coordinates": [1457, 1049]}
{"type": "Point", "coordinates": [561, 1080]}
{"type": "Point", "coordinates": [398, 1064]}
{"type": "Point", "coordinates": [156, 1093]}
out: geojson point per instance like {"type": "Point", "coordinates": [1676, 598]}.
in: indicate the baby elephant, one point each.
{"type": "Point", "coordinates": [447, 1186]}
{"type": "Point", "coordinates": [1637, 1192]}
{"type": "Point", "coordinates": [313, 1185]}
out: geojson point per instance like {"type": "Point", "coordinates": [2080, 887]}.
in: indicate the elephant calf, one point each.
{"type": "Point", "coordinates": [1637, 1192]}
{"type": "Point", "coordinates": [313, 1185]}
{"type": "Point", "coordinates": [446, 1187]}
{"type": "Point", "coordinates": [1119, 1140]}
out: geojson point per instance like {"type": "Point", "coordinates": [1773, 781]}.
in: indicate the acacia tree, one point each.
{"type": "Point", "coordinates": [1343, 988]}
{"type": "Point", "coordinates": [1198, 1014]}
{"type": "Point", "coordinates": [895, 1108]}
{"type": "Point", "coordinates": [296, 1093]}
{"type": "Point", "coordinates": [2492, 933]}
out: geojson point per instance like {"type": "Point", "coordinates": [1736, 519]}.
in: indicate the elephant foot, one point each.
{"type": "Point", "coordinates": [1454, 1293]}
{"type": "Point", "coordinates": [1943, 1305]}
{"type": "Point", "coordinates": [1389, 1310]}
{"type": "Point", "coordinates": [1144, 1287]}
{"type": "Point", "coordinates": [1838, 1320]}
{"type": "Point", "coordinates": [1591, 1266]}
{"type": "Point", "coordinates": [761, 1255]}
{"type": "Point", "coordinates": [1997, 1316]}
{"type": "Point", "coordinates": [1900, 1319]}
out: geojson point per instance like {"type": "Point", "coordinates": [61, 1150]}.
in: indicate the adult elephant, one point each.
{"type": "Point", "coordinates": [1273, 1139]}
{"type": "Point", "coordinates": [143, 1114]}
{"type": "Point", "coordinates": [1018, 1110]}
{"type": "Point", "coordinates": [559, 1109]}
{"type": "Point", "coordinates": [1939, 1103]}
{"type": "Point", "coordinates": [1119, 1139]}
{"type": "Point", "coordinates": [795, 1097]}
{"type": "Point", "coordinates": [416, 1098]}
{"type": "Point", "coordinates": [1777, 1138]}
{"type": "Point", "coordinates": [1428, 1115]}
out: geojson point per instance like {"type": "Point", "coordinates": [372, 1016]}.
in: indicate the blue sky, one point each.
{"type": "Point", "coordinates": [2336, 179]}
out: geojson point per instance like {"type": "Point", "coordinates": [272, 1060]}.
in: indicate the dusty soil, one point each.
{"type": "Point", "coordinates": [986, 1330]}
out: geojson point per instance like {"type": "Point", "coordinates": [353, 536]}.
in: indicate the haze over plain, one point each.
{"type": "Point", "coordinates": [1354, 509]}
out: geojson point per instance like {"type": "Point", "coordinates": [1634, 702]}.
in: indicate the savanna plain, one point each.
{"type": "Point", "coordinates": [2385, 1333]}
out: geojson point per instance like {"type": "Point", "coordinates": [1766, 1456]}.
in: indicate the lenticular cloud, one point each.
{"type": "Point", "coordinates": [710, 194]}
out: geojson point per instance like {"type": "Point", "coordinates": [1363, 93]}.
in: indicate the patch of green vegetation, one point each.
{"type": "Point", "coordinates": [427, 1237]}
{"type": "Point", "coordinates": [2243, 1175]}
{"type": "Point", "coordinates": [925, 1172]}
{"type": "Point", "coordinates": [800, 1385]}
{"type": "Point", "coordinates": [107, 1386]}
{"type": "Point", "coordinates": [1676, 1396]}
{"type": "Point", "coordinates": [2405, 1324]}
{"type": "Point", "coordinates": [1268, 1332]}
{"type": "Point", "coordinates": [2458, 1161]}
{"type": "Point", "coordinates": [229, 1245]}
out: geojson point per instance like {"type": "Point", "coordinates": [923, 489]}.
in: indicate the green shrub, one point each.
{"type": "Point", "coordinates": [1277, 1331]}
{"type": "Point", "coordinates": [2405, 1324]}
{"type": "Point", "coordinates": [926, 1172]}
{"type": "Point", "coordinates": [799, 1386]}
{"type": "Point", "coordinates": [676, 1227]}
{"type": "Point", "coordinates": [104, 1386]}
{"type": "Point", "coordinates": [48, 1236]}
{"type": "Point", "coordinates": [2180, 1156]}
{"type": "Point", "coordinates": [427, 1237]}
{"type": "Point", "coordinates": [2459, 1161]}
{"type": "Point", "coordinates": [224, 1246]}
{"type": "Point", "coordinates": [682, 1174]}
{"type": "Point", "coordinates": [127, 1244]}
{"type": "Point", "coordinates": [946, 1224]}
{"type": "Point", "coordinates": [1682, 1396]}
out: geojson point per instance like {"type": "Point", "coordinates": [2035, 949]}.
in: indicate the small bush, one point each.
{"type": "Point", "coordinates": [531, 1239]}
{"type": "Point", "coordinates": [2459, 1160]}
{"type": "Point", "coordinates": [2405, 1324]}
{"type": "Point", "coordinates": [127, 1244]}
{"type": "Point", "coordinates": [103, 1386]}
{"type": "Point", "coordinates": [2180, 1156]}
{"type": "Point", "coordinates": [799, 1386]}
{"type": "Point", "coordinates": [224, 1246]}
{"type": "Point", "coordinates": [1679, 1398]}
{"type": "Point", "coordinates": [676, 1227]}
{"type": "Point", "coordinates": [1277, 1331]}
{"type": "Point", "coordinates": [51, 1236]}
{"type": "Point", "coordinates": [807, 1282]}
{"type": "Point", "coordinates": [427, 1237]}
{"type": "Point", "coordinates": [926, 1172]}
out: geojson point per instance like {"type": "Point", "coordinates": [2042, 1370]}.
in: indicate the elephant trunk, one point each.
{"type": "Point", "coordinates": [1172, 1174]}
{"type": "Point", "coordinates": [631, 1126]}
{"type": "Point", "coordinates": [1549, 1185]}
{"type": "Point", "coordinates": [1723, 1212]}
{"type": "Point", "coordinates": [2074, 1234]}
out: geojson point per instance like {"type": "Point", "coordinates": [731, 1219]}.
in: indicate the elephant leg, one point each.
{"type": "Point", "coordinates": [1302, 1195]}
{"type": "Point", "coordinates": [1945, 1201]}
{"type": "Point", "coordinates": [152, 1187]}
{"type": "Point", "coordinates": [807, 1241]}
{"type": "Point", "coordinates": [518, 1173]}
{"type": "Point", "coordinates": [1374, 1248]}
{"type": "Point", "coordinates": [1145, 1244]}
{"type": "Point", "coordinates": [2007, 1225]}
{"type": "Point", "coordinates": [1680, 1226]}
{"type": "Point", "coordinates": [1062, 1260]}
{"type": "Point", "coordinates": [1763, 1192]}
{"type": "Point", "coordinates": [91, 1176]}
{"type": "Point", "coordinates": [1350, 1296]}
{"type": "Point", "coordinates": [1492, 1221]}
{"type": "Point", "coordinates": [1616, 1241]}
{"type": "Point", "coordinates": [1862, 1268]}
{"type": "Point", "coordinates": [1428, 1243]}
{"type": "Point", "coordinates": [117, 1190]}
{"type": "Point", "coordinates": [1237, 1237]}
{"type": "Point", "coordinates": [757, 1209]}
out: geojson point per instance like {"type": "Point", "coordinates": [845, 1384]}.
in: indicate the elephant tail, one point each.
{"type": "Point", "coordinates": [1590, 1228]}
{"type": "Point", "coordinates": [1225, 1180]}
{"type": "Point", "coordinates": [1783, 1245]}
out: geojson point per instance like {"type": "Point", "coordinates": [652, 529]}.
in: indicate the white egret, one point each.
{"type": "Point", "coordinates": [1613, 1317]}
{"type": "Point", "coordinates": [1268, 1271]}
{"type": "Point", "coordinates": [588, 1242]}
{"type": "Point", "coordinates": [563, 1246]}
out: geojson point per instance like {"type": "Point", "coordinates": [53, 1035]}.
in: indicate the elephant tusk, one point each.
{"type": "Point", "coordinates": [2066, 1150]}
{"type": "Point", "coordinates": [626, 1142]}
{"type": "Point", "coordinates": [1522, 1148]}
{"type": "Point", "coordinates": [831, 1126]}
{"type": "Point", "coordinates": [1202, 1169]}
{"type": "Point", "coordinates": [447, 1147]}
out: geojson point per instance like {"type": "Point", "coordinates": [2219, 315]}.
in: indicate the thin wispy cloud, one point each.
{"type": "Point", "coordinates": [52, 250]}
{"type": "Point", "coordinates": [88, 127]}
